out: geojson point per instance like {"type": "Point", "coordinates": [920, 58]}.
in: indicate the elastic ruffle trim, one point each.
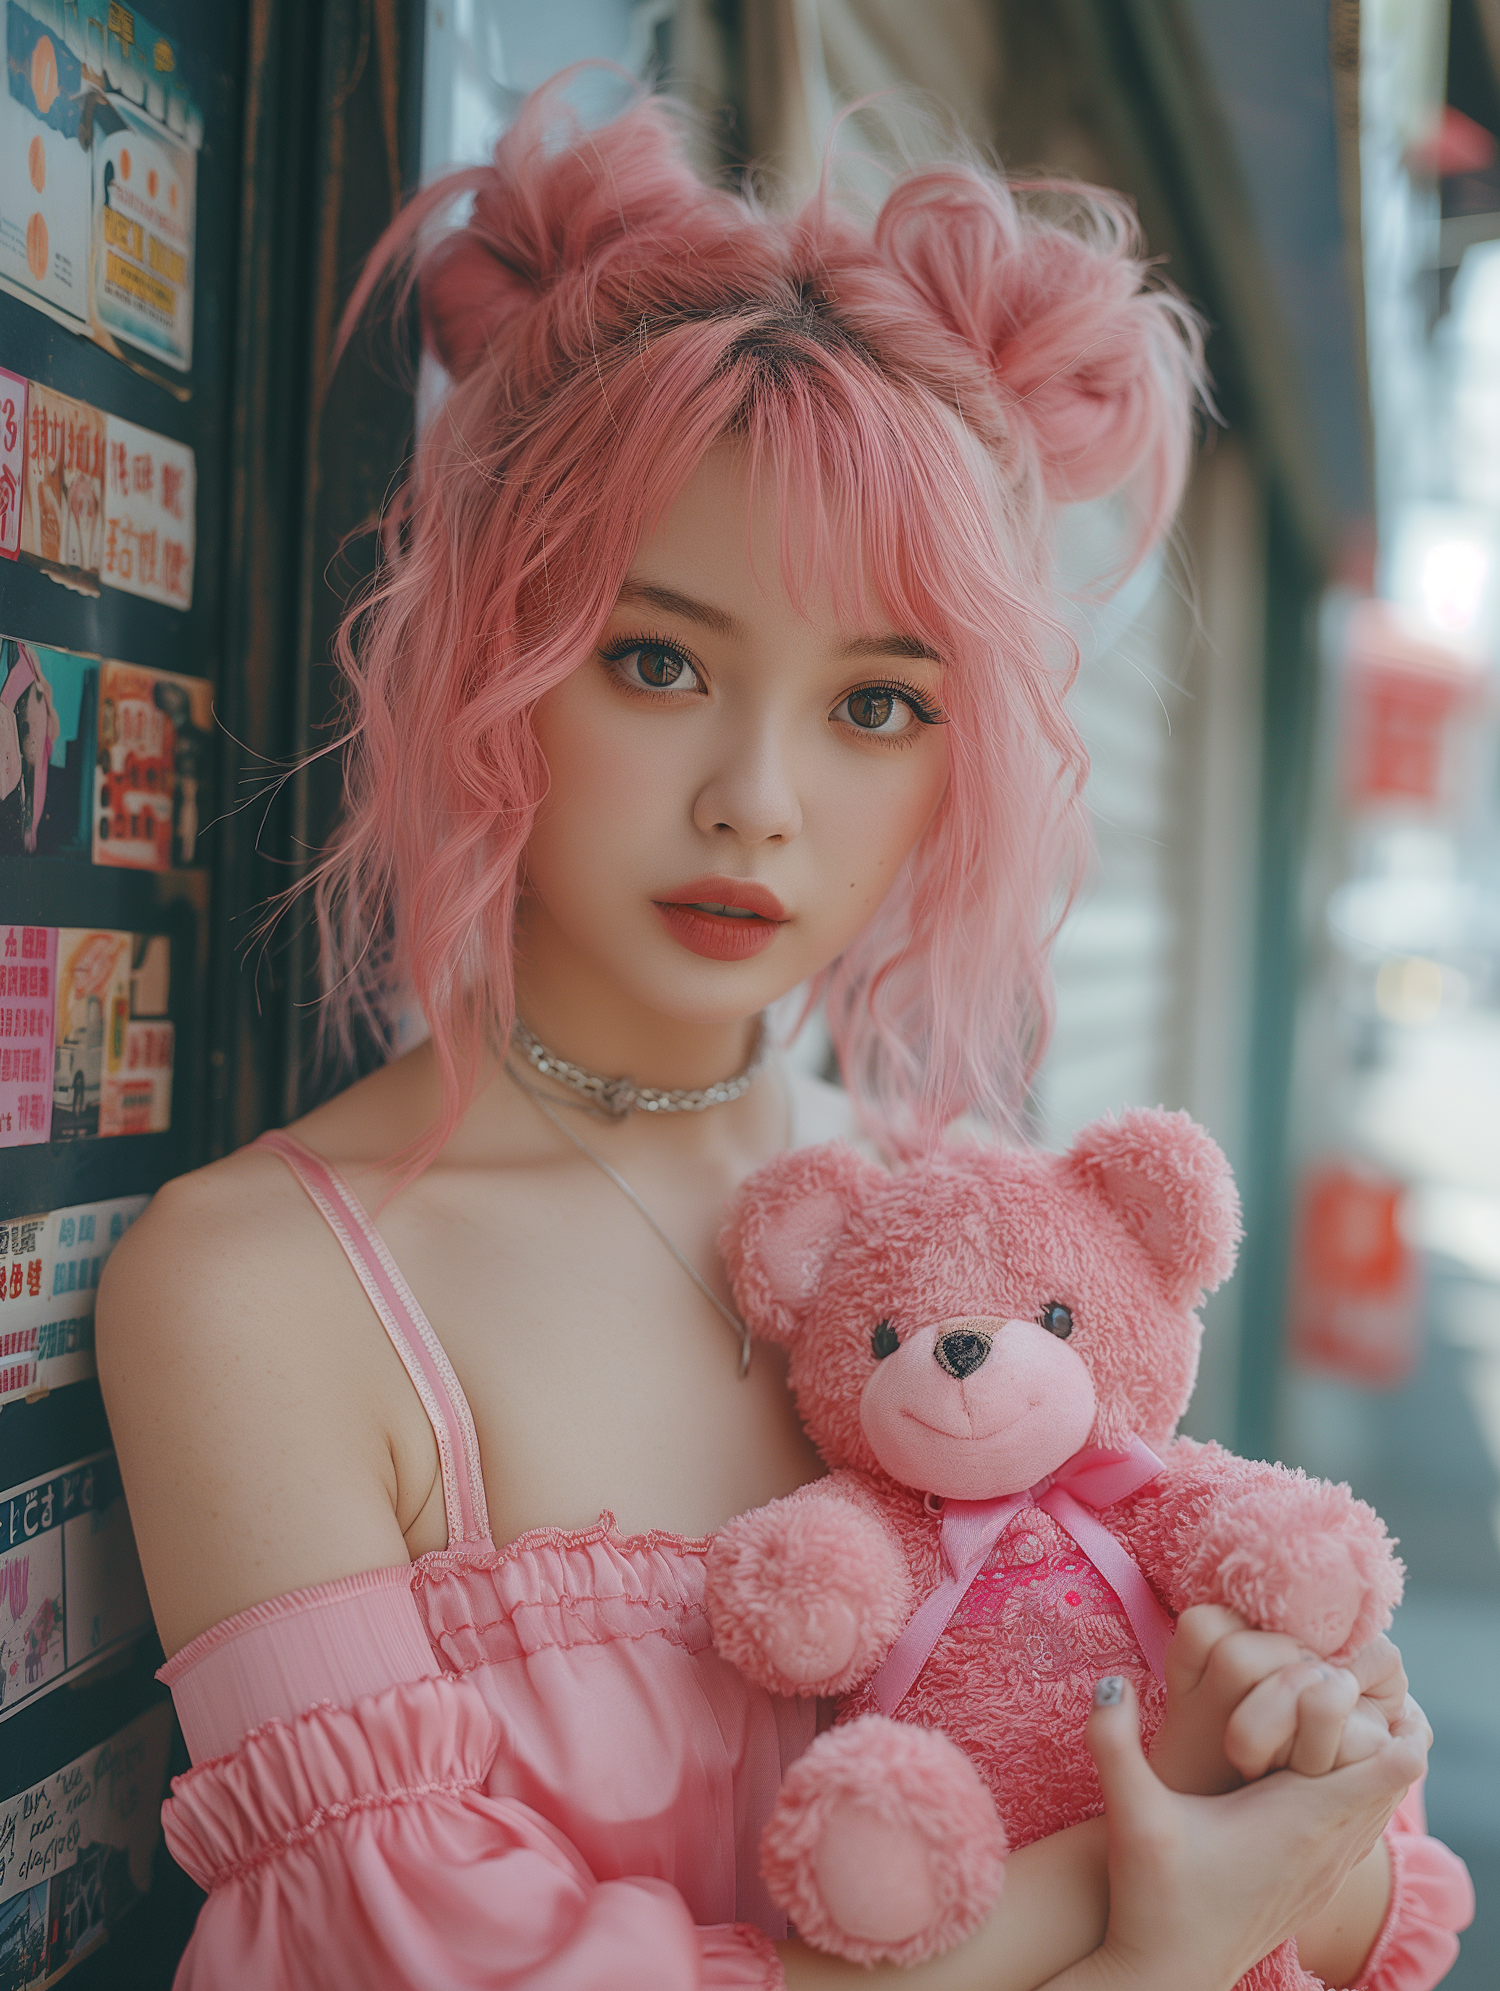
{"type": "Point", "coordinates": [287, 1781]}
{"type": "Point", "coordinates": [552, 1589]}
{"type": "Point", "coordinates": [1432, 1898]}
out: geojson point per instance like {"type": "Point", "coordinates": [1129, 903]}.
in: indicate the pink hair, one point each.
{"type": "Point", "coordinates": [930, 391]}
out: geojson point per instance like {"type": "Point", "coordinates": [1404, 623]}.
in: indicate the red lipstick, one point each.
{"type": "Point", "coordinates": [722, 919]}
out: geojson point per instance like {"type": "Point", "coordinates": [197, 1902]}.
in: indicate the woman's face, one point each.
{"type": "Point", "coordinates": [735, 781]}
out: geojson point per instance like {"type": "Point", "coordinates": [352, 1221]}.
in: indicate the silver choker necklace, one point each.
{"type": "Point", "coordinates": [614, 1098]}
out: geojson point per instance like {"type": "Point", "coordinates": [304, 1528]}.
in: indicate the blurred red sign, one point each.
{"type": "Point", "coordinates": [1356, 1290]}
{"type": "Point", "coordinates": [1404, 695]}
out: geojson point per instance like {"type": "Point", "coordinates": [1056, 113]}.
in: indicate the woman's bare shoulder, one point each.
{"type": "Point", "coordinates": [247, 1385]}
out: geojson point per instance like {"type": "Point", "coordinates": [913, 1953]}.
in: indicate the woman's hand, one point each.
{"type": "Point", "coordinates": [1202, 1888]}
{"type": "Point", "coordinates": [1241, 1703]}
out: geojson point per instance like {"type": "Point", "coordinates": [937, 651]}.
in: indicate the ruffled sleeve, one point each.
{"type": "Point", "coordinates": [355, 1849]}
{"type": "Point", "coordinates": [1432, 1900]}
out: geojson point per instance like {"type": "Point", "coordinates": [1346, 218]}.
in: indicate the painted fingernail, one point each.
{"type": "Point", "coordinates": [1109, 1692]}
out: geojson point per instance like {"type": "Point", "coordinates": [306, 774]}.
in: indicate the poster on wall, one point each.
{"type": "Point", "coordinates": [28, 978]}
{"type": "Point", "coordinates": [151, 780]}
{"type": "Point", "coordinates": [148, 515]}
{"type": "Point", "coordinates": [50, 1262]}
{"type": "Point", "coordinates": [98, 174]}
{"type": "Point", "coordinates": [71, 1589]}
{"type": "Point", "coordinates": [76, 1851]}
{"type": "Point", "coordinates": [62, 497]}
{"type": "Point", "coordinates": [112, 1068]}
{"type": "Point", "coordinates": [49, 702]}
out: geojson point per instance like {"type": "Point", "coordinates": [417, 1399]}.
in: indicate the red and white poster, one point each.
{"type": "Point", "coordinates": [148, 515]}
{"type": "Point", "coordinates": [62, 504]}
{"type": "Point", "coordinates": [28, 985]}
{"type": "Point", "coordinates": [12, 460]}
{"type": "Point", "coordinates": [151, 772]}
{"type": "Point", "coordinates": [50, 1263]}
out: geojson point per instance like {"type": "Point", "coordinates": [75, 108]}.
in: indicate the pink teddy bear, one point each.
{"type": "Point", "coordinates": [991, 1350]}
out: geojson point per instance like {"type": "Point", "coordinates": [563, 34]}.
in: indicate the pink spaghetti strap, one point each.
{"type": "Point", "coordinates": [411, 1333]}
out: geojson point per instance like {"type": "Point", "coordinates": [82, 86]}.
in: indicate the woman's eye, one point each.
{"type": "Point", "coordinates": [655, 667]}
{"type": "Point", "coordinates": [887, 709]}
{"type": "Point", "coordinates": [874, 710]}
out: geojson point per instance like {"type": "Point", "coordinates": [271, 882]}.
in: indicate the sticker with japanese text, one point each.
{"type": "Point", "coordinates": [76, 1851]}
{"type": "Point", "coordinates": [151, 781]}
{"type": "Point", "coordinates": [49, 1274]}
{"type": "Point", "coordinates": [71, 1588]}
{"type": "Point", "coordinates": [28, 975]}
{"type": "Point", "coordinates": [12, 459]}
{"type": "Point", "coordinates": [148, 515]}
{"type": "Point", "coordinates": [62, 500]}
{"type": "Point", "coordinates": [115, 1044]}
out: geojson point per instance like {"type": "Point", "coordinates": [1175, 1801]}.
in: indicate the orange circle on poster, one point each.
{"type": "Point", "coordinates": [152, 183]}
{"type": "Point", "coordinates": [124, 162]}
{"type": "Point", "coordinates": [36, 163]}
{"type": "Point", "coordinates": [44, 84]}
{"type": "Point", "coordinates": [36, 246]}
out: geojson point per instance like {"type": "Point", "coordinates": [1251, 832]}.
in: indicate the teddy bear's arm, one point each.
{"type": "Point", "coordinates": [1289, 1553]}
{"type": "Point", "coordinates": [806, 1595]}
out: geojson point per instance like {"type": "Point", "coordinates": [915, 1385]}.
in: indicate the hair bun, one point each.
{"type": "Point", "coordinates": [555, 204]}
{"type": "Point", "coordinates": [1098, 367]}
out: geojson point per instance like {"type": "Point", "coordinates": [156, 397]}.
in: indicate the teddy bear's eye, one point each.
{"type": "Point", "coordinates": [1057, 1319]}
{"type": "Point", "coordinates": [884, 1341]}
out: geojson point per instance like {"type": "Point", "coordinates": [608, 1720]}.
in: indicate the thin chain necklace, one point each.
{"type": "Point", "coordinates": [570, 1133]}
{"type": "Point", "coordinates": [615, 1098]}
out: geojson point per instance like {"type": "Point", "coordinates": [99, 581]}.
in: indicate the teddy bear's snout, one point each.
{"type": "Point", "coordinates": [961, 1351]}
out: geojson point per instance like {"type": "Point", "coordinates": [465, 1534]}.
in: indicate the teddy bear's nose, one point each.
{"type": "Point", "coordinates": [961, 1351]}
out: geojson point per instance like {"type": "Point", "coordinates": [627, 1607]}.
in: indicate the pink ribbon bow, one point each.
{"type": "Point", "coordinates": [971, 1528]}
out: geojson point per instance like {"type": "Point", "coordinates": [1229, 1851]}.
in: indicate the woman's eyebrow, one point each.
{"type": "Point", "coordinates": [891, 646]}
{"type": "Point", "coordinates": [670, 602]}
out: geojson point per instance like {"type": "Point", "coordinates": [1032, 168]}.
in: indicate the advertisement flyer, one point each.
{"type": "Point", "coordinates": [149, 515]}
{"type": "Point", "coordinates": [113, 1068]}
{"type": "Point", "coordinates": [49, 703]}
{"type": "Point", "coordinates": [151, 778]}
{"type": "Point", "coordinates": [50, 1262]}
{"type": "Point", "coordinates": [76, 1850]}
{"type": "Point", "coordinates": [62, 498]}
{"type": "Point", "coordinates": [12, 459]}
{"type": "Point", "coordinates": [28, 976]}
{"type": "Point", "coordinates": [98, 174]}
{"type": "Point", "coordinates": [144, 183]}
{"type": "Point", "coordinates": [71, 1588]}
{"type": "Point", "coordinates": [46, 188]}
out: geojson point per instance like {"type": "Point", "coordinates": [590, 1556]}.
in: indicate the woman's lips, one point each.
{"type": "Point", "coordinates": [722, 919]}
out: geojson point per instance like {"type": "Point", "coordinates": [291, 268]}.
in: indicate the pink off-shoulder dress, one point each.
{"type": "Point", "coordinates": [522, 1769]}
{"type": "Point", "coordinates": [490, 1767]}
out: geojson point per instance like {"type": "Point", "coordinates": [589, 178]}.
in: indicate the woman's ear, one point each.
{"type": "Point", "coordinates": [782, 1228]}
{"type": "Point", "coordinates": [1169, 1183]}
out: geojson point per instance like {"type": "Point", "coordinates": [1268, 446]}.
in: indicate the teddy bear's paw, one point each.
{"type": "Point", "coordinates": [806, 1596]}
{"type": "Point", "coordinates": [1303, 1557]}
{"type": "Point", "coordinates": [884, 1845]}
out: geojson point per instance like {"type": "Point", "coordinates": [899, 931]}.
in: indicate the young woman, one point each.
{"type": "Point", "coordinates": [714, 659]}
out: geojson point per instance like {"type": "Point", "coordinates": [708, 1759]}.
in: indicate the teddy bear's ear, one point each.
{"type": "Point", "coordinates": [782, 1228]}
{"type": "Point", "coordinates": [1170, 1183]}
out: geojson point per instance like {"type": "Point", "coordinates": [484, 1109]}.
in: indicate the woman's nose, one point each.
{"type": "Point", "coordinates": [751, 793]}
